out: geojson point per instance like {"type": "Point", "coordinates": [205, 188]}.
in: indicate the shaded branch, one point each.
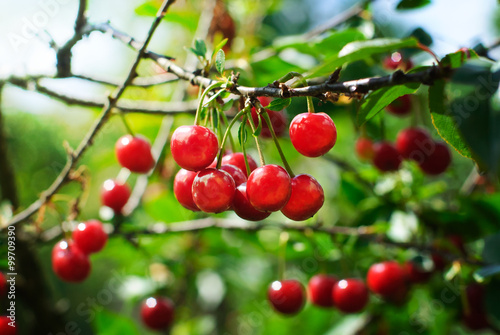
{"type": "Point", "coordinates": [138, 81]}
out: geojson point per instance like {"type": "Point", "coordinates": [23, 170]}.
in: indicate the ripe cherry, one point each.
{"type": "Point", "coordinates": [414, 144]}
{"type": "Point", "coordinates": [386, 279]}
{"type": "Point", "coordinates": [320, 290]}
{"type": "Point", "coordinates": [194, 147]}
{"type": "Point", "coordinates": [474, 316]}
{"type": "Point", "coordinates": [5, 327]}
{"type": "Point", "coordinates": [213, 190]}
{"type": "Point", "coordinates": [313, 134]}
{"type": "Point", "coordinates": [114, 195]}
{"type": "Point", "coordinates": [90, 236]}
{"type": "Point", "coordinates": [278, 119]}
{"type": "Point", "coordinates": [401, 106]}
{"type": "Point", "coordinates": [364, 148]}
{"type": "Point", "coordinates": [386, 158]}
{"type": "Point", "coordinates": [237, 159]}
{"type": "Point", "coordinates": [238, 176]}
{"type": "Point", "coordinates": [3, 286]}
{"type": "Point", "coordinates": [437, 161]}
{"type": "Point", "coordinates": [69, 262]}
{"type": "Point", "coordinates": [350, 295]}
{"type": "Point", "coordinates": [243, 208]}
{"type": "Point", "coordinates": [134, 153]}
{"type": "Point", "coordinates": [286, 296]}
{"type": "Point", "coordinates": [268, 188]}
{"type": "Point", "coordinates": [306, 199]}
{"type": "Point", "coordinates": [396, 61]}
{"type": "Point", "coordinates": [183, 189]}
{"type": "Point", "coordinates": [416, 274]}
{"type": "Point", "coordinates": [157, 313]}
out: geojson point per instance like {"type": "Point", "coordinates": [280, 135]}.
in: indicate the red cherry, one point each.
{"type": "Point", "coordinates": [416, 274]}
{"type": "Point", "coordinates": [439, 262]}
{"type": "Point", "coordinates": [401, 106]}
{"type": "Point", "coordinates": [414, 144]}
{"type": "Point", "coordinates": [320, 290]}
{"type": "Point", "coordinates": [238, 176]}
{"type": "Point", "coordinates": [350, 295]}
{"type": "Point", "coordinates": [364, 148]}
{"type": "Point", "coordinates": [475, 316]}
{"type": "Point", "coordinates": [306, 199]}
{"type": "Point", "coordinates": [114, 195]}
{"type": "Point", "coordinates": [90, 236]}
{"type": "Point", "coordinates": [213, 190]}
{"type": "Point", "coordinates": [70, 263]}
{"type": "Point", "coordinates": [157, 313]}
{"type": "Point", "coordinates": [396, 61]}
{"type": "Point", "coordinates": [3, 286]}
{"type": "Point", "coordinates": [386, 279]}
{"type": "Point", "coordinates": [286, 296]}
{"type": "Point", "coordinates": [437, 161]}
{"type": "Point", "coordinates": [386, 158]}
{"type": "Point", "coordinates": [194, 147]}
{"type": "Point", "coordinates": [5, 327]}
{"type": "Point", "coordinates": [237, 159]}
{"type": "Point", "coordinates": [313, 134]}
{"type": "Point", "coordinates": [183, 189]}
{"type": "Point", "coordinates": [243, 208]}
{"type": "Point", "coordinates": [134, 153]}
{"type": "Point", "coordinates": [268, 188]}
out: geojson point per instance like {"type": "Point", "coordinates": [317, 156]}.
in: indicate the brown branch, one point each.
{"type": "Point", "coordinates": [138, 81]}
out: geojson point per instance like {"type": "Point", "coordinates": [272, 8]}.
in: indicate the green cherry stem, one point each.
{"type": "Point", "coordinates": [277, 143]}
{"type": "Point", "coordinates": [200, 104]}
{"type": "Point", "coordinates": [243, 149]}
{"type": "Point", "coordinates": [257, 143]}
{"type": "Point", "coordinates": [231, 139]}
{"type": "Point", "coordinates": [226, 134]}
{"type": "Point", "coordinates": [125, 123]}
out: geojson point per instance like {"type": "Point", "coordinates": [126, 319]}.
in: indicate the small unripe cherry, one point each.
{"type": "Point", "coordinates": [70, 263]}
{"type": "Point", "coordinates": [213, 190]}
{"type": "Point", "coordinates": [286, 296]}
{"type": "Point", "coordinates": [157, 313]}
{"type": "Point", "coordinates": [364, 148]}
{"type": "Point", "coordinates": [350, 295]}
{"type": "Point", "coordinates": [90, 236]}
{"type": "Point", "coordinates": [134, 153]}
{"type": "Point", "coordinates": [194, 147]}
{"type": "Point", "coordinates": [114, 195]}
{"type": "Point", "coordinates": [386, 158]}
{"type": "Point", "coordinates": [268, 188]}
{"type": "Point", "coordinates": [183, 189]}
{"type": "Point", "coordinates": [306, 199]}
{"type": "Point", "coordinates": [313, 134]}
{"type": "Point", "coordinates": [243, 208]}
{"type": "Point", "coordinates": [320, 290]}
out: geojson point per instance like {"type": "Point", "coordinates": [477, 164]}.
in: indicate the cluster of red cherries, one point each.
{"type": "Point", "coordinates": [6, 323]}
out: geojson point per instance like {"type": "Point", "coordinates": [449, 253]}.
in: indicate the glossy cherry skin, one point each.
{"type": "Point", "coordinates": [414, 144]}
{"type": "Point", "coordinates": [437, 161]}
{"type": "Point", "coordinates": [114, 195]}
{"type": "Point", "coordinates": [134, 153]}
{"type": "Point", "coordinates": [237, 159]}
{"type": "Point", "coordinates": [3, 286]}
{"type": "Point", "coordinates": [364, 149]}
{"type": "Point", "coordinates": [306, 199]}
{"type": "Point", "coordinates": [243, 208]}
{"type": "Point", "coordinates": [286, 296]}
{"type": "Point", "coordinates": [90, 236]}
{"type": "Point", "coordinates": [278, 119]}
{"type": "Point", "coordinates": [183, 189]}
{"type": "Point", "coordinates": [70, 263]}
{"type": "Point", "coordinates": [238, 176]}
{"type": "Point", "coordinates": [5, 328]}
{"type": "Point", "coordinates": [350, 295]}
{"type": "Point", "coordinates": [401, 106]}
{"type": "Point", "coordinates": [320, 290]}
{"type": "Point", "coordinates": [194, 147]}
{"type": "Point", "coordinates": [313, 134]}
{"type": "Point", "coordinates": [416, 274]}
{"type": "Point", "coordinates": [386, 158]}
{"type": "Point", "coordinates": [386, 279]}
{"type": "Point", "coordinates": [213, 190]}
{"type": "Point", "coordinates": [268, 188]}
{"type": "Point", "coordinates": [157, 313]}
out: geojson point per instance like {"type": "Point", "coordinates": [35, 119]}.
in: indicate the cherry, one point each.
{"type": "Point", "coordinates": [415, 273]}
{"type": "Point", "coordinates": [320, 290]}
{"type": "Point", "coordinates": [395, 61]}
{"type": "Point", "coordinates": [475, 316]}
{"type": "Point", "coordinates": [306, 199]}
{"type": "Point", "coordinates": [385, 157]}
{"type": "Point", "coordinates": [268, 188]}
{"type": "Point", "coordinates": [90, 236]}
{"type": "Point", "coordinates": [401, 106]}
{"type": "Point", "coordinates": [5, 328]}
{"type": "Point", "coordinates": [3, 286]}
{"type": "Point", "coordinates": [183, 189]}
{"type": "Point", "coordinates": [157, 313]}
{"type": "Point", "coordinates": [386, 279]}
{"type": "Point", "coordinates": [69, 262]}
{"type": "Point", "coordinates": [134, 153]}
{"type": "Point", "coordinates": [414, 144]}
{"type": "Point", "coordinates": [243, 208]}
{"type": "Point", "coordinates": [237, 159]}
{"type": "Point", "coordinates": [437, 161]}
{"type": "Point", "coordinates": [278, 119]}
{"type": "Point", "coordinates": [238, 176]}
{"type": "Point", "coordinates": [194, 147]}
{"type": "Point", "coordinates": [114, 195]}
{"type": "Point", "coordinates": [213, 190]}
{"type": "Point", "coordinates": [350, 295]}
{"type": "Point", "coordinates": [364, 148]}
{"type": "Point", "coordinates": [286, 296]}
{"type": "Point", "coordinates": [313, 134]}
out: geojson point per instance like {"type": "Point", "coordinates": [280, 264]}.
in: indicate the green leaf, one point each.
{"type": "Point", "coordinates": [487, 271]}
{"type": "Point", "coordinates": [422, 36]}
{"type": "Point", "coordinates": [108, 323]}
{"type": "Point", "coordinates": [219, 47]}
{"type": "Point", "coordinates": [258, 130]}
{"type": "Point", "coordinates": [200, 48]}
{"type": "Point", "coordinates": [359, 50]}
{"type": "Point", "coordinates": [491, 250]}
{"type": "Point", "coordinates": [412, 4]}
{"type": "Point", "coordinates": [149, 8]}
{"type": "Point", "coordinates": [379, 99]}
{"type": "Point", "coordinates": [220, 61]}
{"type": "Point", "coordinates": [213, 97]}
{"type": "Point", "coordinates": [227, 106]}
{"type": "Point", "coordinates": [242, 132]}
{"type": "Point", "coordinates": [444, 121]}
{"type": "Point", "coordinates": [279, 104]}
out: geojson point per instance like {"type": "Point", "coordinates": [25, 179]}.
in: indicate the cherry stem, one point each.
{"type": "Point", "coordinates": [231, 139]}
{"type": "Point", "coordinates": [244, 150]}
{"type": "Point", "coordinates": [200, 104]}
{"type": "Point", "coordinates": [303, 83]}
{"type": "Point", "coordinates": [428, 50]}
{"type": "Point", "coordinates": [284, 236]}
{"type": "Point", "coordinates": [125, 123]}
{"type": "Point", "coordinates": [226, 134]}
{"type": "Point", "coordinates": [277, 143]}
{"type": "Point", "coordinates": [257, 143]}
